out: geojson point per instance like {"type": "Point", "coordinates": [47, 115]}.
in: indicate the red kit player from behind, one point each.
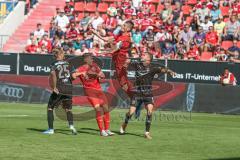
{"type": "Point", "coordinates": [90, 75]}
{"type": "Point", "coordinates": [121, 45]}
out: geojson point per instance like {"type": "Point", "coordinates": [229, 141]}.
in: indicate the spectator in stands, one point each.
{"type": "Point", "coordinates": [45, 43]}
{"type": "Point", "coordinates": [228, 78]}
{"type": "Point", "coordinates": [186, 36]}
{"type": "Point", "coordinates": [97, 42]}
{"type": "Point", "coordinates": [62, 21]}
{"type": "Point", "coordinates": [88, 37]}
{"type": "Point", "coordinates": [160, 38]}
{"type": "Point", "coordinates": [56, 42]}
{"type": "Point", "coordinates": [177, 14]}
{"type": "Point", "coordinates": [215, 13]}
{"type": "Point", "coordinates": [211, 39]}
{"type": "Point", "coordinates": [39, 32]}
{"type": "Point", "coordinates": [72, 32]}
{"type": "Point", "coordinates": [219, 55]}
{"type": "Point", "coordinates": [166, 12]}
{"type": "Point", "coordinates": [202, 12]}
{"type": "Point", "coordinates": [137, 38]}
{"type": "Point", "coordinates": [193, 53]}
{"type": "Point", "coordinates": [199, 39]}
{"type": "Point", "coordinates": [150, 36]}
{"type": "Point", "coordinates": [59, 32]}
{"type": "Point", "coordinates": [232, 28]}
{"type": "Point", "coordinates": [98, 20]}
{"type": "Point", "coordinates": [77, 44]}
{"type": "Point", "coordinates": [234, 52]}
{"type": "Point", "coordinates": [32, 48]}
{"type": "Point", "coordinates": [67, 46]}
{"type": "Point", "coordinates": [111, 23]}
{"type": "Point", "coordinates": [194, 24]}
{"type": "Point", "coordinates": [85, 21]}
{"type": "Point", "coordinates": [31, 38]}
{"type": "Point", "coordinates": [206, 24]}
{"type": "Point", "coordinates": [68, 9]}
{"type": "Point", "coordinates": [219, 27]}
{"type": "Point", "coordinates": [137, 4]}
{"type": "Point", "coordinates": [52, 30]}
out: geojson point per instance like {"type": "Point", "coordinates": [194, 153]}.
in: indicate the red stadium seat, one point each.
{"type": "Point", "coordinates": [102, 7]}
{"type": "Point", "coordinates": [91, 7]}
{"type": "Point", "coordinates": [160, 8]}
{"type": "Point", "coordinates": [80, 16]}
{"type": "Point", "coordinates": [226, 19]}
{"type": "Point", "coordinates": [225, 11]}
{"type": "Point", "coordinates": [206, 56]}
{"type": "Point", "coordinates": [113, 5]}
{"type": "Point", "coordinates": [152, 9]}
{"type": "Point", "coordinates": [104, 16]}
{"type": "Point", "coordinates": [238, 44]}
{"type": "Point", "coordinates": [186, 9]}
{"type": "Point", "coordinates": [226, 44]}
{"type": "Point", "coordinates": [155, 1]}
{"type": "Point", "coordinates": [189, 20]}
{"type": "Point", "coordinates": [192, 2]}
{"type": "Point", "coordinates": [79, 6]}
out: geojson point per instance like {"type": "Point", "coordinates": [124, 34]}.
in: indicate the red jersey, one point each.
{"type": "Point", "coordinates": [212, 38]}
{"type": "Point", "coordinates": [46, 43]}
{"type": "Point", "coordinates": [126, 4]}
{"type": "Point", "coordinates": [31, 48]}
{"type": "Point", "coordinates": [88, 81]}
{"type": "Point", "coordinates": [128, 12]}
{"type": "Point", "coordinates": [125, 38]}
{"type": "Point", "coordinates": [111, 22]}
{"type": "Point", "coordinates": [145, 23]}
{"type": "Point", "coordinates": [209, 5]}
{"type": "Point", "coordinates": [72, 33]}
{"type": "Point", "coordinates": [228, 78]}
{"type": "Point", "coordinates": [146, 3]}
{"type": "Point", "coordinates": [194, 53]}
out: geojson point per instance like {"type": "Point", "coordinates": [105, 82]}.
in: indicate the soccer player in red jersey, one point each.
{"type": "Point", "coordinates": [120, 45]}
{"type": "Point", "coordinates": [90, 75]}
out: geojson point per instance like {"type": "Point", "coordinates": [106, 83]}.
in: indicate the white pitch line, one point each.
{"type": "Point", "coordinates": [12, 115]}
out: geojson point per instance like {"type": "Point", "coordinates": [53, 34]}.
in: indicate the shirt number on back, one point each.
{"type": "Point", "coordinates": [63, 72]}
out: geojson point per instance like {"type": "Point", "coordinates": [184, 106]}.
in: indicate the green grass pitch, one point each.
{"type": "Point", "coordinates": [204, 137]}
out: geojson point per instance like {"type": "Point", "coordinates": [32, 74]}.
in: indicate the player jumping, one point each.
{"type": "Point", "coordinates": [143, 90]}
{"type": "Point", "coordinates": [90, 75]}
{"type": "Point", "coordinates": [61, 84]}
{"type": "Point", "coordinates": [120, 46]}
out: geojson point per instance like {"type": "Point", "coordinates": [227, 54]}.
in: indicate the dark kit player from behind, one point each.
{"type": "Point", "coordinates": [60, 82]}
{"type": "Point", "coordinates": [142, 91]}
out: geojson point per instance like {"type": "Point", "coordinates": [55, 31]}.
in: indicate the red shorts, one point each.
{"type": "Point", "coordinates": [121, 70]}
{"type": "Point", "coordinates": [95, 97]}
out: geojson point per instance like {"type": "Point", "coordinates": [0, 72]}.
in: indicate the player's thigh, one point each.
{"type": "Point", "coordinates": [67, 102]}
{"type": "Point", "coordinates": [54, 101]}
{"type": "Point", "coordinates": [149, 104]}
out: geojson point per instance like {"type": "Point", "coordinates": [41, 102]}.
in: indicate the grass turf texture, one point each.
{"type": "Point", "coordinates": [206, 136]}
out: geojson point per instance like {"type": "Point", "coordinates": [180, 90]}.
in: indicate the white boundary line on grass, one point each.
{"type": "Point", "coordinates": [12, 115]}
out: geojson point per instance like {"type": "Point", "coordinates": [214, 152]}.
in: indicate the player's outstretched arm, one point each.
{"type": "Point", "coordinates": [168, 71]}
{"type": "Point", "coordinates": [53, 82]}
{"type": "Point", "coordinates": [77, 74]}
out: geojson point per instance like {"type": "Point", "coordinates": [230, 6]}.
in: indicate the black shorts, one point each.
{"type": "Point", "coordinates": [56, 100]}
{"type": "Point", "coordinates": [145, 100]}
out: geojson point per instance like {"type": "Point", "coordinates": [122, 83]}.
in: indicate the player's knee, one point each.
{"type": "Point", "coordinates": [50, 109]}
{"type": "Point", "coordinates": [97, 107]}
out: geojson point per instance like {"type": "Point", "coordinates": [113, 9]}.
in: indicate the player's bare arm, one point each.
{"type": "Point", "coordinates": [168, 71]}
{"type": "Point", "coordinates": [53, 82]}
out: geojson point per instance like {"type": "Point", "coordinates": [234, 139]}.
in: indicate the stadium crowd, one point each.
{"type": "Point", "coordinates": [177, 29]}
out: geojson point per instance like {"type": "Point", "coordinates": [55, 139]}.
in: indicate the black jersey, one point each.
{"type": "Point", "coordinates": [144, 76]}
{"type": "Point", "coordinates": [63, 72]}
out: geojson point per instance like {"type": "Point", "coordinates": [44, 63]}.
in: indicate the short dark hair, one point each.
{"type": "Point", "coordinates": [131, 24]}
{"type": "Point", "coordinates": [86, 55]}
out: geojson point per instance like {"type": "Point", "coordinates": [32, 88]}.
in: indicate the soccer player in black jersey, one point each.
{"type": "Point", "coordinates": [142, 91]}
{"type": "Point", "coordinates": [60, 82]}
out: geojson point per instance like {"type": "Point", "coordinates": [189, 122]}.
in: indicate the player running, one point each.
{"type": "Point", "coordinates": [120, 46]}
{"type": "Point", "coordinates": [145, 72]}
{"type": "Point", "coordinates": [61, 84]}
{"type": "Point", "coordinates": [90, 75]}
